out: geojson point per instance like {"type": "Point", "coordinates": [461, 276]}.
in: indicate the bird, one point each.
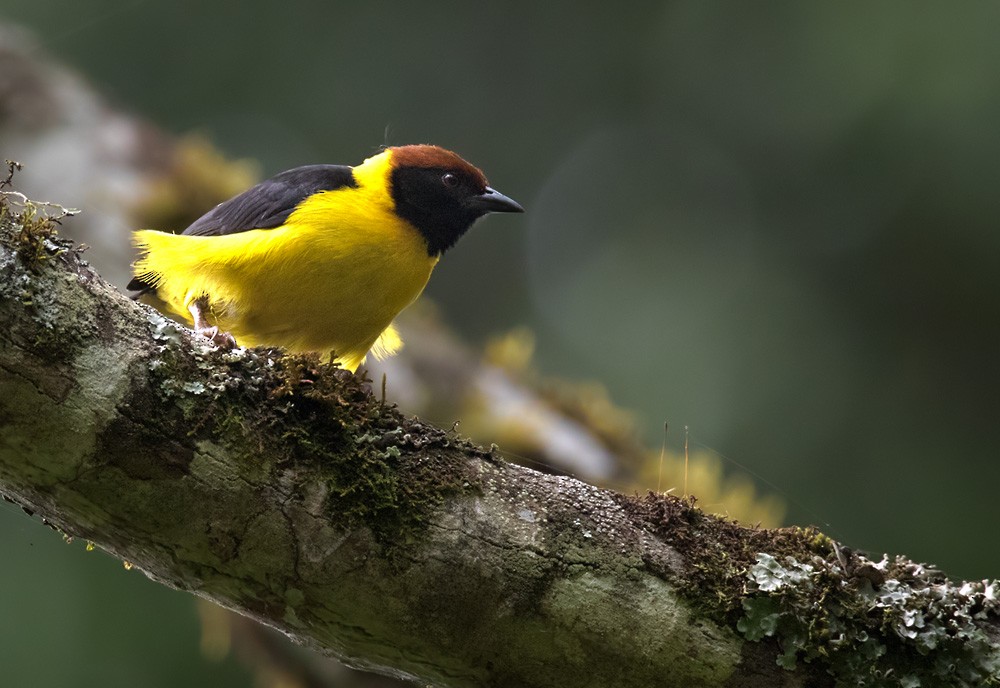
{"type": "Point", "coordinates": [319, 258]}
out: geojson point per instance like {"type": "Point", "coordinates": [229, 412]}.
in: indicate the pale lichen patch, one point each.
{"type": "Point", "coordinates": [886, 624]}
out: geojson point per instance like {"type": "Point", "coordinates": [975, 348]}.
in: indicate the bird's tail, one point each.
{"type": "Point", "coordinates": [159, 251]}
{"type": "Point", "coordinates": [169, 266]}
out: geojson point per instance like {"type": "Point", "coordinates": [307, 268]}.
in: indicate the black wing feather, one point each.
{"type": "Point", "coordinates": [264, 206]}
{"type": "Point", "coordinates": [269, 204]}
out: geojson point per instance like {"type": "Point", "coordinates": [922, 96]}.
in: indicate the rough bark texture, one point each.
{"type": "Point", "coordinates": [283, 489]}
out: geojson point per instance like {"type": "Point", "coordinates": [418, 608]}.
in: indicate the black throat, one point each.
{"type": "Point", "coordinates": [440, 217]}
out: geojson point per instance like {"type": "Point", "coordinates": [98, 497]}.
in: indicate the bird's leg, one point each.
{"type": "Point", "coordinates": [201, 326]}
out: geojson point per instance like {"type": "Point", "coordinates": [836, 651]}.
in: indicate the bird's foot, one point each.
{"type": "Point", "coordinates": [223, 340]}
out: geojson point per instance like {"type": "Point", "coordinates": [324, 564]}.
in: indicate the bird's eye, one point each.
{"type": "Point", "coordinates": [450, 180]}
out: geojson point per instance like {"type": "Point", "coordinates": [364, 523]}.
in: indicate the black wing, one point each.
{"type": "Point", "coordinates": [270, 203]}
{"type": "Point", "coordinates": [266, 205]}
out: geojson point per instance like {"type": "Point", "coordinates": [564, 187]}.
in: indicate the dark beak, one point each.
{"type": "Point", "coordinates": [492, 201]}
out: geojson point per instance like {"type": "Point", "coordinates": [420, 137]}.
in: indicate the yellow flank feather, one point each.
{"type": "Point", "coordinates": [331, 278]}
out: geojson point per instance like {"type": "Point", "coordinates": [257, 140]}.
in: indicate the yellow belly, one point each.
{"type": "Point", "coordinates": [331, 279]}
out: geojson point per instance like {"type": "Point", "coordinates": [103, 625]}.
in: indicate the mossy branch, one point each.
{"type": "Point", "coordinates": [281, 488]}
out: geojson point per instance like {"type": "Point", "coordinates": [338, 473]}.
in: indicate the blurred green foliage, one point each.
{"type": "Point", "coordinates": [773, 223]}
{"type": "Point", "coordinates": [76, 618]}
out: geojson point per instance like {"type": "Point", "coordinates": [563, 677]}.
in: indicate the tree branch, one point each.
{"type": "Point", "coordinates": [281, 488]}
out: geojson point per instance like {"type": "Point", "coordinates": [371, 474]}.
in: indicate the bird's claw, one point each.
{"type": "Point", "coordinates": [223, 340]}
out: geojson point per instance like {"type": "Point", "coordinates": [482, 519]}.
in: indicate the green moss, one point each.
{"type": "Point", "coordinates": [381, 471]}
{"type": "Point", "coordinates": [31, 230]}
{"type": "Point", "coordinates": [887, 624]}
{"type": "Point", "coordinates": [718, 552]}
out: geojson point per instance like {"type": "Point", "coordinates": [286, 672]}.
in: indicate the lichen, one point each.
{"type": "Point", "coordinates": [718, 551]}
{"type": "Point", "coordinates": [886, 624]}
{"type": "Point", "coordinates": [32, 234]}
{"type": "Point", "coordinates": [37, 222]}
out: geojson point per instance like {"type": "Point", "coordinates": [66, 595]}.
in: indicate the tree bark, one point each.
{"type": "Point", "coordinates": [283, 489]}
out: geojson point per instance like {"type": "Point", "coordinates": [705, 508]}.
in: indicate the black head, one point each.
{"type": "Point", "coordinates": [441, 194]}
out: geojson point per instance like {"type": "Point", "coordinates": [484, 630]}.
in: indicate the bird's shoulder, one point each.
{"type": "Point", "coordinates": [268, 204]}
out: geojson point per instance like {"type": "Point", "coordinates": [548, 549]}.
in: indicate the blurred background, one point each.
{"type": "Point", "coordinates": [774, 224]}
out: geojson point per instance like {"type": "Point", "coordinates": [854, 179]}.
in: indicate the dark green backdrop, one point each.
{"type": "Point", "coordinates": [774, 223]}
